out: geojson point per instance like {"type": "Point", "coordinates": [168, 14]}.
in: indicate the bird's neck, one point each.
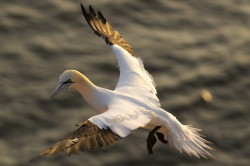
{"type": "Point", "coordinates": [91, 94]}
{"type": "Point", "coordinates": [85, 87]}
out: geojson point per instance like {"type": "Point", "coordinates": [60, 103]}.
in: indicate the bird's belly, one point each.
{"type": "Point", "coordinates": [99, 108]}
{"type": "Point", "coordinates": [151, 127]}
{"type": "Point", "coordinates": [98, 101]}
{"type": "Point", "coordinates": [156, 121]}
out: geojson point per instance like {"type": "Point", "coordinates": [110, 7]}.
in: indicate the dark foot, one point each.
{"type": "Point", "coordinates": [161, 138]}
{"type": "Point", "coordinates": [151, 140]}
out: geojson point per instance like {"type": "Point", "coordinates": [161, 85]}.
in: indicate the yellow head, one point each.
{"type": "Point", "coordinates": [68, 79]}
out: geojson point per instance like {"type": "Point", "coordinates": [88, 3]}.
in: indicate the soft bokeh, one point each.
{"type": "Point", "coordinates": [197, 51]}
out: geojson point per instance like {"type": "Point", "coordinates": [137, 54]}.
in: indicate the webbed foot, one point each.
{"type": "Point", "coordinates": [151, 140]}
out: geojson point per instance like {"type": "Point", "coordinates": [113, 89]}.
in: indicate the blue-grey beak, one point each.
{"type": "Point", "coordinates": [60, 87]}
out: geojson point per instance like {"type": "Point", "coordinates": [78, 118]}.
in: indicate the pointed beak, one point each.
{"type": "Point", "coordinates": [59, 88]}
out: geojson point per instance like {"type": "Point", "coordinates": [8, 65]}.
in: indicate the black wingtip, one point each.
{"type": "Point", "coordinates": [82, 7]}
{"type": "Point", "coordinates": [83, 10]}
{"type": "Point", "coordinates": [101, 17]}
{"type": "Point", "coordinates": [91, 11]}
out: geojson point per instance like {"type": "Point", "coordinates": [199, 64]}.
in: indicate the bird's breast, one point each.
{"type": "Point", "coordinates": [99, 100]}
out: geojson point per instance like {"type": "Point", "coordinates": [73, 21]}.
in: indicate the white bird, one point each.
{"type": "Point", "coordinates": [132, 104]}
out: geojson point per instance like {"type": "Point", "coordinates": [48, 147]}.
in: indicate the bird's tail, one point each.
{"type": "Point", "coordinates": [187, 139]}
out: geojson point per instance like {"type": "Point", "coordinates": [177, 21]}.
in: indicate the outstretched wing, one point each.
{"type": "Point", "coordinates": [104, 30]}
{"type": "Point", "coordinates": [134, 79]}
{"type": "Point", "coordinates": [102, 130]}
{"type": "Point", "coordinates": [88, 137]}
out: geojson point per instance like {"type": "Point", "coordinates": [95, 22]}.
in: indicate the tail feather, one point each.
{"type": "Point", "coordinates": [188, 140]}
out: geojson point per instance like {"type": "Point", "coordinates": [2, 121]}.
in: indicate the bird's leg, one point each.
{"type": "Point", "coordinates": [151, 140]}
{"type": "Point", "coordinates": [161, 137]}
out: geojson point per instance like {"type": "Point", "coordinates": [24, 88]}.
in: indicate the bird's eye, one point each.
{"type": "Point", "coordinates": [68, 81]}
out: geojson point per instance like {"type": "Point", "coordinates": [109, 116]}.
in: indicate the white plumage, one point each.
{"type": "Point", "coordinates": [132, 104]}
{"type": "Point", "coordinates": [134, 79]}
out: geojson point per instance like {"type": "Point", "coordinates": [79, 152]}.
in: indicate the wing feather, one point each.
{"type": "Point", "coordinates": [88, 137]}
{"type": "Point", "coordinates": [103, 29]}
{"type": "Point", "coordinates": [121, 117]}
{"type": "Point", "coordinates": [134, 79]}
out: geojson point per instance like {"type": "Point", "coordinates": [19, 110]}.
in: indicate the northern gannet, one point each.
{"type": "Point", "coordinates": [132, 104]}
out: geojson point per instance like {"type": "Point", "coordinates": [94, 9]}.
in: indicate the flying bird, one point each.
{"type": "Point", "coordinates": [132, 104]}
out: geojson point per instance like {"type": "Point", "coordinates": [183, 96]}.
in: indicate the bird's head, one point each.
{"type": "Point", "coordinates": [67, 79]}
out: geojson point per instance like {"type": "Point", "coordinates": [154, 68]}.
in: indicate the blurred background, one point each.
{"type": "Point", "coordinates": [197, 51]}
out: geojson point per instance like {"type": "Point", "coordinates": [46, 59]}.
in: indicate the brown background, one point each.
{"type": "Point", "coordinates": [186, 45]}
